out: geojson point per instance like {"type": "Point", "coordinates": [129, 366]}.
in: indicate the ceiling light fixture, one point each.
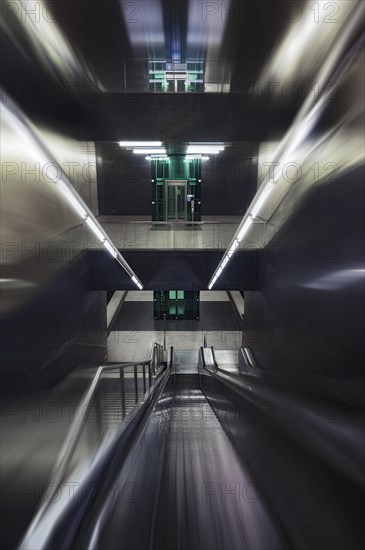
{"type": "Point", "coordinates": [140, 143]}
{"type": "Point", "coordinates": [155, 151]}
{"type": "Point", "coordinates": [202, 149]}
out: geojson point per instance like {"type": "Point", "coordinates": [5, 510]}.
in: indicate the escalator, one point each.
{"type": "Point", "coordinates": [206, 472]}
{"type": "Point", "coordinates": [198, 467]}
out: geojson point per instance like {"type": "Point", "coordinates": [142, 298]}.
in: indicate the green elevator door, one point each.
{"type": "Point", "coordinates": [176, 202]}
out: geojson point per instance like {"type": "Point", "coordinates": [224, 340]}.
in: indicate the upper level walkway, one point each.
{"type": "Point", "coordinates": [139, 232]}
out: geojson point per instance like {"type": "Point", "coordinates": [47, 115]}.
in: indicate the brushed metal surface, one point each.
{"type": "Point", "coordinates": [208, 472]}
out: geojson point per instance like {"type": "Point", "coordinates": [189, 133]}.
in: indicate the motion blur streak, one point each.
{"type": "Point", "coordinates": [220, 404]}
{"type": "Point", "coordinates": [337, 280]}
{"type": "Point", "coordinates": [29, 169]}
{"type": "Point", "coordinates": [144, 24]}
{"type": "Point", "coordinates": [207, 24]}
{"type": "Point", "coordinates": [32, 20]}
{"type": "Point", "coordinates": [304, 143]}
{"type": "Point", "coordinates": [294, 58]}
{"type": "Point", "coordinates": [184, 433]}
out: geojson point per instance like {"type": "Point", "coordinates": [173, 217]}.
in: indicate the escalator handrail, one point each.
{"type": "Point", "coordinates": [73, 435]}
{"type": "Point", "coordinates": [201, 351]}
{"type": "Point", "coordinates": [214, 357]}
{"type": "Point", "coordinates": [69, 445]}
{"type": "Point", "coordinates": [171, 358]}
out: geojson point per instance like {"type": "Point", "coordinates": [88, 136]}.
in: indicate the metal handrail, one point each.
{"type": "Point", "coordinates": [46, 521]}
{"type": "Point", "coordinates": [201, 356]}
{"type": "Point", "coordinates": [214, 357]}
{"type": "Point", "coordinates": [111, 366]}
{"type": "Point", "coordinates": [157, 357]}
{"type": "Point", "coordinates": [74, 433]}
{"type": "Point", "coordinates": [164, 331]}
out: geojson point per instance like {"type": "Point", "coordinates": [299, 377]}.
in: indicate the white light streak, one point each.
{"type": "Point", "coordinates": [95, 229]}
{"type": "Point", "coordinates": [72, 199]}
{"type": "Point", "coordinates": [140, 143]}
{"type": "Point", "coordinates": [155, 151]}
{"type": "Point", "coordinates": [110, 249]}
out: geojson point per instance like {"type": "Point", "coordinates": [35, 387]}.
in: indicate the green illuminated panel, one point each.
{"type": "Point", "coordinates": [177, 167]}
{"type": "Point", "coordinates": [186, 306]}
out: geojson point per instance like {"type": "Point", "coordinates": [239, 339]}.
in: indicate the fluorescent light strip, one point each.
{"type": "Point", "coordinates": [140, 143]}
{"type": "Point", "coordinates": [213, 282]}
{"type": "Point", "coordinates": [211, 147]}
{"type": "Point", "coordinates": [110, 249]}
{"type": "Point", "coordinates": [261, 199]}
{"type": "Point", "coordinates": [210, 143]}
{"type": "Point", "coordinates": [149, 151]}
{"type": "Point", "coordinates": [232, 250]}
{"type": "Point", "coordinates": [72, 199]}
{"type": "Point", "coordinates": [202, 150]}
{"type": "Point", "coordinates": [206, 145]}
{"type": "Point", "coordinates": [136, 282]}
{"type": "Point", "coordinates": [244, 229]}
{"type": "Point", "coordinates": [223, 264]}
{"type": "Point", "coordinates": [155, 157]}
{"type": "Point", "coordinates": [95, 229]}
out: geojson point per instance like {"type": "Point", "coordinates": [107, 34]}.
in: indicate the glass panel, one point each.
{"type": "Point", "coordinates": [180, 295]}
{"type": "Point", "coordinates": [181, 85]}
{"type": "Point", "coordinates": [170, 85]}
{"type": "Point", "coordinates": [172, 294]}
{"type": "Point", "coordinates": [171, 202]}
{"type": "Point", "coordinates": [180, 202]}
